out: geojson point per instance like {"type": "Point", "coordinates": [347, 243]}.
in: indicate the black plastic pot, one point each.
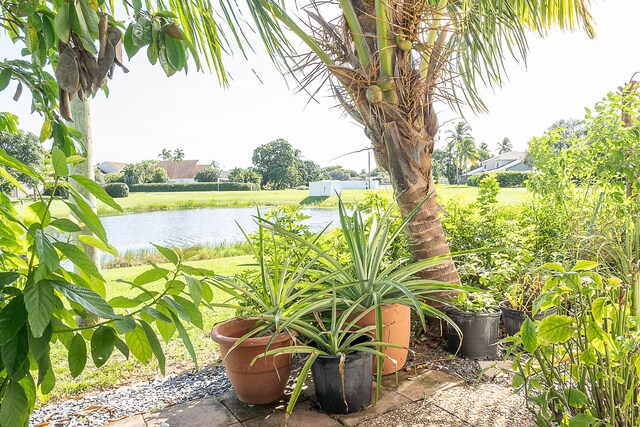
{"type": "Point", "coordinates": [513, 318]}
{"type": "Point", "coordinates": [357, 382]}
{"type": "Point", "coordinates": [479, 333]}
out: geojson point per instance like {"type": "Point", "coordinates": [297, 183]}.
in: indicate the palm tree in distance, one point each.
{"type": "Point", "coordinates": [458, 139]}
{"type": "Point", "coordinates": [466, 154]}
{"type": "Point", "coordinates": [505, 146]}
{"type": "Point", "coordinates": [166, 154]}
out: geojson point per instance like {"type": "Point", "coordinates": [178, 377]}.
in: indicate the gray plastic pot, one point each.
{"type": "Point", "coordinates": [479, 333]}
{"type": "Point", "coordinates": [513, 318]}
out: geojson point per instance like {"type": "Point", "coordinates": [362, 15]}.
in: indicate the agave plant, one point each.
{"type": "Point", "coordinates": [366, 282]}
{"type": "Point", "coordinates": [282, 287]}
{"type": "Point", "coordinates": [339, 335]}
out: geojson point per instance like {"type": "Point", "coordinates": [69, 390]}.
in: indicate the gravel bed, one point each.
{"type": "Point", "coordinates": [96, 409]}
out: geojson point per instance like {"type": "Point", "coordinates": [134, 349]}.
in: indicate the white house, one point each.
{"type": "Point", "coordinates": [511, 161]}
{"type": "Point", "coordinates": [329, 188]}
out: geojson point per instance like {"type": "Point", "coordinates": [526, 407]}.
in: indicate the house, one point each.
{"type": "Point", "coordinates": [182, 171]}
{"type": "Point", "coordinates": [329, 188]}
{"type": "Point", "coordinates": [511, 161]}
{"type": "Point", "coordinates": [111, 167]}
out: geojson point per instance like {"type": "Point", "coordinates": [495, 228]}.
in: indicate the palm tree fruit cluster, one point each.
{"type": "Point", "coordinates": [80, 71]}
{"type": "Point", "coordinates": [374, 94]}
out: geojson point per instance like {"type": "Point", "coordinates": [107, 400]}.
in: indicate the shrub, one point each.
{"type": "Point", "coordinates": [169, 187]}
{"type": "Point", "coordinates": [505, 179]}
{"type": "Point", "coordinates": [113, 177]}
{"type": "Point", "coordinates": [208, 175]}
{"type": "Point", "coordinates": [117, 189]}
{"type": "Point", "coordinates": [59, 192]}
{"type": "Point", "coordinates": [160, 175]}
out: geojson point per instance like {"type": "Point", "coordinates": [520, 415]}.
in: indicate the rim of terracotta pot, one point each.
{"type": "Point", "coordinates": [218, 337]}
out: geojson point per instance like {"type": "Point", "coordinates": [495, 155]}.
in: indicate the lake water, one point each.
{"type": "Point", "coordinates": [189, 227]}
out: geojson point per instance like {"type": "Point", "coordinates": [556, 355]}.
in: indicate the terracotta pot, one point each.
{"type": "Point", "coordinates": [396, 320]}
{"type": "Point", "coordinates": [265, 381]}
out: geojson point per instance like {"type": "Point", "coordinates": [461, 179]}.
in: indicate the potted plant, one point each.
{"type": "Point", "coordinates": [261, 299]}
{"type": "Point", "coordinates": [518, 302]}
{"type": "Point", "coordinates": [476, 319]}
{"type": "Point", "coordinates": [339, 357]}
{"type": "Point", "coordinates": [387, 289]}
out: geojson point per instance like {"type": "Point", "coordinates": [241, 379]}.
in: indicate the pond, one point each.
{"type": "Point", "coordinates": [190, 227]}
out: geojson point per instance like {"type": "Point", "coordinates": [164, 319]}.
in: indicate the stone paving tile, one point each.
{"type": "Point", "coordinates": [205, 412]}
{"type": "Point", "coordinates": [243, 411]}
{"type": "Point", "coordinates": [418, 414]}
{"type": "Point", "coordinates": [135, 421]}
{"type": "Point", "coordinates": [305, 414]}
{"type": "Point", "coordinates": [493, 369]}
{"type": "Point", "coordinates": [426, 384]}
{"type": "Point", "coordinates": [388, 401]}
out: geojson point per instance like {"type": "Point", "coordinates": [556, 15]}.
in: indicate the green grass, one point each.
{"type": "Point", "coordinates": [118, 370]}
{"type": "Point", "coordinates": [145, 202]}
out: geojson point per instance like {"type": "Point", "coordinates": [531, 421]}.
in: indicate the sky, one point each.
{"type": "Point", "coordinates": [146, 111]}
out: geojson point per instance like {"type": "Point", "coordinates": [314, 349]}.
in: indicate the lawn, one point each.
{"type": "Point", "coordinates": [119, 371]}
{"type": "Point", "coordinates": [144, 202]}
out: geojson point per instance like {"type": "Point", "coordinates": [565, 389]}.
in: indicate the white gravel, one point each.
{"type": "Point", "coordinates": [96, 409]}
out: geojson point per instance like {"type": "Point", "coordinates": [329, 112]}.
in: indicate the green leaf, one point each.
{"type": "Point", "coordinates": [168, 254]}
{"type": "Point", "coordinates": [15, 355]}
{"type": "Point", "coordinates": [129, 46]}
{"type": "Point", "coordinates": [85, 213]}
{"type": "Point", "coordinates": [12, 317]}
{"type": "Point", "coordinates": [48, 381]}
{"type": "Point", "coordinates": [150, 276]}
{"type": "Point", "coordinates": [185, 338]}
{"type": "Point", "coordinates": [14, 411]}
{"type": "Point", "coordinates": [102, 343]}
{"type": "Point", "coordinates": [79, 259]}
{"type": "Point", "coordinates": [77, 355]}
{"type": "Point", "coordinates": [7, 278]}
{"type": "Point", "coordinates": [40, 301]}
{"type": "Point", "coordinates": [195, 317]}
{"type": "Point", "coordinates": [556, 328]}
{"type": "Point", "coordinates": [528, 334]}
{"type": "Point", "coordinates": [5, 78]}
{"type": "Point", "coordinates": [576, 398]}
{"type": "Point", "coordinates": [583, 265]}
{"type": "Point", "coordinates": [195, 288]}
{"type": "Point", "coordinates": [155, 345]}
{"type": "Point", "coordinates": [553, 266]}
{"type": "Point", "coordinates": [123, 302]}
{"type": "Point", "coordinates": [65, 224]}
{"type": "Point", "coordinates": [96, 243]}
{"type": "Point", "coordinates": [16, 164]}
{"type": "Point", "coordinates": [157, 314]}
{"type": "Point", "coordinates": [59, 162]}
{"type": "Point", "coordinates": [62, 23]}
{"type": "Point", "coordinates": [125, 324]}
{"type": "Point", "coordinates": [139, 344]}
{"type": "Point", "coordinates": [40, 347]}
{"type": "Point", "coordinates": [97, 191]}
{"type": "Point", "coordinates": [49, 260]}
{"type": "Point", "coordinates": [582, 420]}
{"type": "Point", "coordinates": [87, 298]}
{"type": "Point", "coordinates": [120, 345]}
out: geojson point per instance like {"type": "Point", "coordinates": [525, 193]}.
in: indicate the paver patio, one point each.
{"type": "Point", "coordinates": [228, 411]}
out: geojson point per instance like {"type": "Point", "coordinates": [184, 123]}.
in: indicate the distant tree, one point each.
{"type": "Point", "coordinates": [131, 174]}
{"type": "Point", "coordinates": [569, 129]}
{"type": "Point", "coordinates": [276, 163]}
{"type": "Point", "coordinates": [466, 153]}
{"type": "Point", "coordinates": [244, 175]}
{"type": "Point", "coordinates": [339, 173]}
{"type": "Point", "coordinates": [208, 175]}
{"type": "Point", "coordinates": [178, 155]}
{"type": "Point", "coordinates": [142, 172]}
{"type": "Point", "coordinates": [113, 177]}
{"type": "Point", "coordinates": [25, 147]}
{"type": "Point", "coordinates": [309, 171]}
{"type": "Point", "coordinates": [160, 175]}
{"type": "Point", "coordinates": [505, 146]}
{"type": "Point", "coordinates": [98, 175]}
{"type": "Point", "coordinates": [483, 152]}
{"type": "Point", "coordinates": [461, 145]}
{"type": "Point", "coordinates": [166, 154]}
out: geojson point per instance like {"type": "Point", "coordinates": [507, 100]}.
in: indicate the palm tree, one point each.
{"type": "Point", "coordinates": [505, 146]}
{"type": "Point", "coordinates": [466, 153]}
{"type": "Point", "coordinates": [388, 61]}
{"type": "Point", "coordinates": [166, 154]}
{"type": "Point", "coordinates": [178, 155]}
{"type": "Point", "coordinates": [457, 137]}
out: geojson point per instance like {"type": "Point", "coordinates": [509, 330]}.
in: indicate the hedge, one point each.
{"type": "Point", "coordinates": [168, 187]}
{"type": "Point", "coordinates": [116, 189]}
{"type": "Point", "coordinates": [505, 179]}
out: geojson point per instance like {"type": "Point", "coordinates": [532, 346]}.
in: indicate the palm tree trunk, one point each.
{"type": "Point", "coordinates": [408, 155]}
